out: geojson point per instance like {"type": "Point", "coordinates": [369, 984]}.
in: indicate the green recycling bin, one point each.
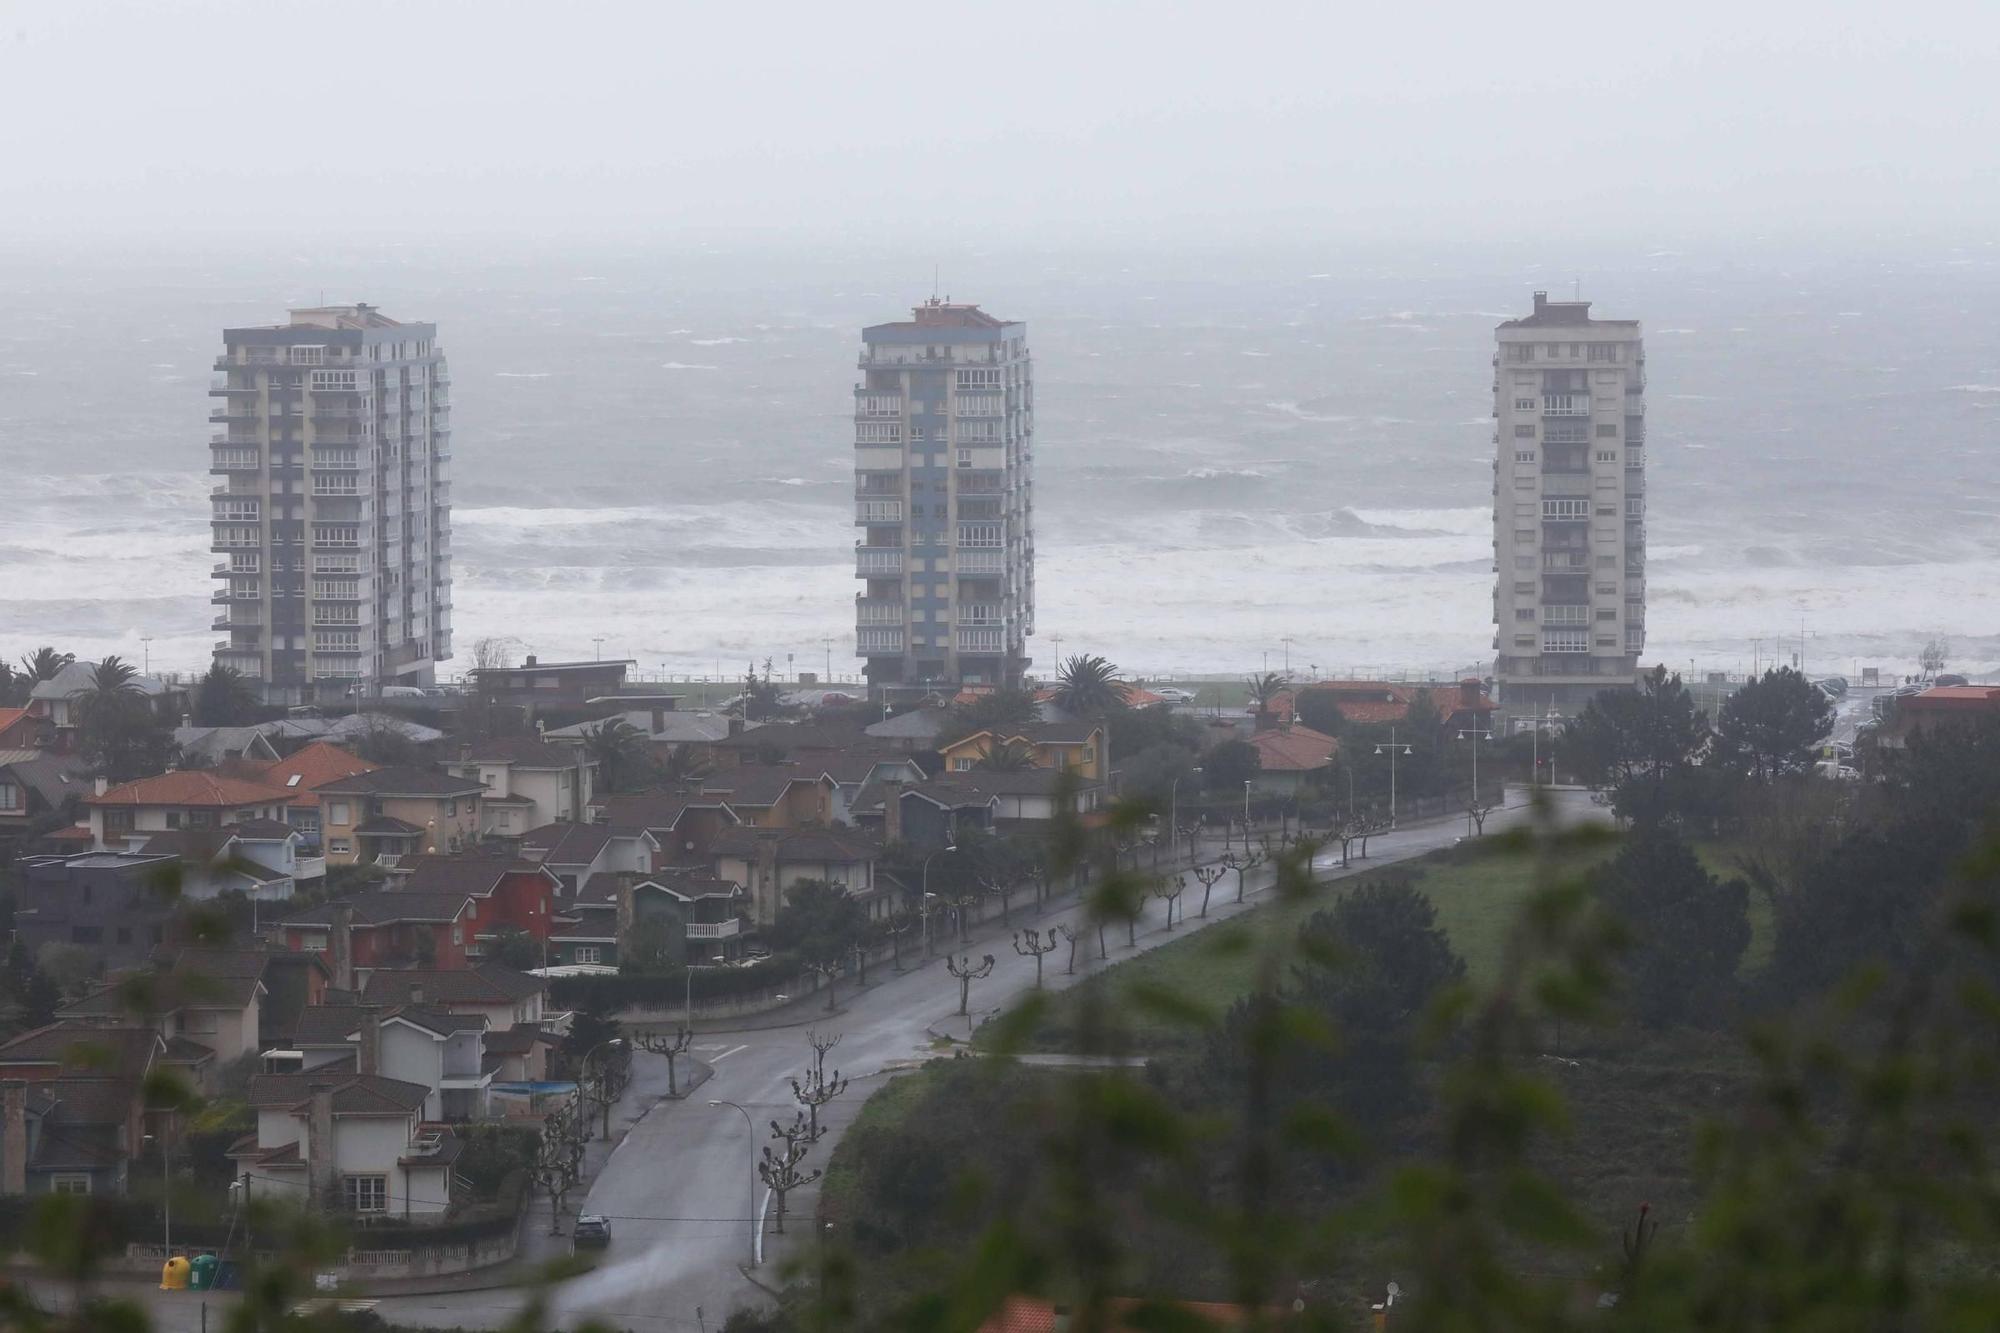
{"type": "Point", "coordinates": [201, 1275]}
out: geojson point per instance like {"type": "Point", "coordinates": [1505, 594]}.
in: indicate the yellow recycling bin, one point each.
{"type": "Point", "coordinates": [174, 1274]}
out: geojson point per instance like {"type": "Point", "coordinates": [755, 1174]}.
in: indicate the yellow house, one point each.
{"type": "Point", "coordinates": [1080, 747]}
{"type": "Point", "coordinates": [379, 817]}
{"type": "Point", "coordinates": [780, 796]}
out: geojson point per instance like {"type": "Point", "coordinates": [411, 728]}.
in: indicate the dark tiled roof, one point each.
{"type": "Point", "coordinates": [689, 884]}
{"type": "Point", "coordinates": [790, 736]}
{"type": "Point", "coordinates": [523, 752]}
{"type": "Point", "coordinates": [489, 983]}
{"type": "Point", "coordinates": [388, 826]}
{"type": "Point", "coordinates": [84, 1050]}
{"type": "Point", "coordinates": [383, 907]}
{"type": "Point", "coordinates": [261, 830]}
{"type": "Point", "coordinates": [402, 782]}
{"type": "Point", "coordinates": [758, 784]}
{"type": "Point", "coordinates": [516, 1040]}
{"type": "Point", "coordinates": [336, 1025]}
{"type": "Point", "coordinates": [353, 1094]}
{"type": "Point", "coordinates": [796, 844]}
{"type": "Point", "coordinates": [91, 1101]}
{"type": "Point", "coordinates": [471, 874]}
{"type": "Point", "coordinates": [568, 844]}
{"type": "Point", "coordinates": [181, 1051]}
{"type": "Point", "coordinates": [657, 809]}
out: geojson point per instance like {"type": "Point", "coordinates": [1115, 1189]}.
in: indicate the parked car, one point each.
{"type": "Point", "coordinates": [1175, 695]}
{"type": "Point", "coordinates": [591, 1232]}
{"type": "Point", "coordinates": [1951, 678]}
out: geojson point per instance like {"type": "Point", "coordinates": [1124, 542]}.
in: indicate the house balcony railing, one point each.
{"type": "Point", "coordinates": [972, 561]}
{"type": "Point", "coordinates": [878, 511]}
{"type": "Point", "coordinates": [715, 930]}
{"type": "Point", "coordinates": [309, 867]}
{"type": "Point", "coordinates": [1566, 405]}
{"type": "Point", "coordinates": [877, 612]}
{"type": "Point", "coordinates": [879, 559]}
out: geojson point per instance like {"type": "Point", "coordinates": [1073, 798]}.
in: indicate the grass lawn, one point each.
{"type": "Point", "coordinates": [1477, 896]}
{"type": "Point", "coordinates": [886, 1107]}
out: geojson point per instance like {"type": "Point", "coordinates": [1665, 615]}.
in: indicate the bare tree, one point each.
{"type": "Point", "coordinates": [672, 1047]}
{"type": "Point", "coordinates": [967, 972]}
{"type": "Point", "coordinates": [1168, 889]}
{"type": "Point", "coordinates": [779, 1170]}
{"type": "Point", "coordinates": [1031, 943]}
{"type": "Point", "coordinates": [895, 927]}
{"type": "Point", "coordinates": [1068, 935]}
{"type": "Point", "coordinates": [827, 970]}
{"type": "Point", "coordinates": [1477, 813]}
{"type": "Point", "coordinates": [814, 1091]}
{"type": "Point", "coordinates": [1248, 862]}
{"type": "Point", "coordinates": [493, 653]}
{"type": "Point", "coordinates": [821, 1044]}
{"type": "Point", "coordinates": [1208, 875]}
{"type": "Point", "coordinates": [604, 1082]}
{"type": "Point", "coordinates": [558, 1161]}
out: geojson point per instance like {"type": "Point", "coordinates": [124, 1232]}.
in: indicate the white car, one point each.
{"type": "Point", "coordinates": [1175, 695]}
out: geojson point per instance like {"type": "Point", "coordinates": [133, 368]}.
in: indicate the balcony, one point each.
{"type": "Point", "coordinates": [982, 641]}
{"type": "Point", "coordinates": [877, 611]}
{"type": "Point", "coordinates": [877, 406]}
{"type": "Point", "coordinates": [879, 559]}
{"type": "Point", "coordinates": [883, 640]}
{"type": "Point", "coordinates": [981, 561]}
{"type": "Point", "coordinates": [878, 511]}
{"type": "Point", "coordinates": [1566, 405]}
{"type": "Point", "coordinates": [715, 930]}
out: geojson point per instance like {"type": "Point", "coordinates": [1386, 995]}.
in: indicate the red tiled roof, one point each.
{"type": "Point", "coordinates": [192, 788]}
{"type": "Point", "coordinates": [313, 765]}
{"type": "Point", "coordinates": [9, 716]}
{"type": "Point", "coordinates": [1134, 696]}
{"type": "Point", "coordinates": [1294, 749]}
{"type": "Point", "coordinates": [1955, 699]}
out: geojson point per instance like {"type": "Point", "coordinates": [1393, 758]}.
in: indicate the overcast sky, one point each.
{"type": "Point", "coordinates": [1017, 119]}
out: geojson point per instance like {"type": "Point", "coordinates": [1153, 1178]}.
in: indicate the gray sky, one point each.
{"type": "Point", "coordinates": [1026, 120]}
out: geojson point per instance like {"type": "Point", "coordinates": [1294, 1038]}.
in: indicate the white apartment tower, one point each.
{"type": "Point", "coordinates": [944, 433]}
{"type": "Point", "coordinates": [1569, 506]}
{"type": "Point", "coordinates": [333, 516]}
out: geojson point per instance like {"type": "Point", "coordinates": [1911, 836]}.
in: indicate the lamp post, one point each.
{"type": "Point", "coordinates": [751, 1126]}
{"type": "Point", "coordinates": [1393, 748]}
{"type": "Point", "coordinates": [1246, 812]}
{"type": "Point", "coordinates": [1174, 809]}
{"type": "Point", "coordinates": [166, 1197]}
{"type": "Point", "coordinates": [928, 895]}
{"type": "Point", "coordinates": [1535, 725]}
{"type": "Point", "coordinates": [1476, 735]}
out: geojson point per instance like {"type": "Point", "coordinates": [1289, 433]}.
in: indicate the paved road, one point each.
{"type": "Point", "coordinates": [679, 1188]}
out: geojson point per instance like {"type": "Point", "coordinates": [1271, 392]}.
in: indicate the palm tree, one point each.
{"type": "Point", "coordinates": [613, 745]}
{"type": "Point", "coordinates": [1008, 757]}
{"type": "Point", "coordinates": [1265, 689]}
{"type": "Point", "coordinates": [113, 684]}
{"type": "Point", "coordinates": [44, 663]}
{"type": "Point", "coordinates": [116, 725]}
{"type": "Point", "coordinates": [685, 764]}
{"type": "Point", "coordinates": [1088, 687]}
{"type": "Point", "coordinates": [223, 698]}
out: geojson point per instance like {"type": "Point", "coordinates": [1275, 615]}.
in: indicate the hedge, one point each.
{"type": "Point", "coordinates": [666, 990]}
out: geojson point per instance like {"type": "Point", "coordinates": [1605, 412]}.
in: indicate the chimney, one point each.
{"type": "Point", "coordinates": [659, 720]}
{"type": "Point", "coordinates": [736, 726]}
{"type": "Point", "coordinates": [624, 926]}
{"type": "Point", "coordinates": [320, 1175]}
{"type": "Point", "coordinates": [531, 657]}
{"type": "Point", "coordinates": [100, 784]}
{"type": "Point", "coordinates": [340, 945]}
{"type": "Point", "coordinates": [1468, 692]}
{"type": "Point", "coordinates": [764, 878]}
{"type": "Point", "coordinates": [892, 813]}
{"type": "Point", "coordinates": [14, 1138]}
{"type": "Point", "coordinates": [1541, 304]}
{"type": "Point", "coordinates": [368, 1055]}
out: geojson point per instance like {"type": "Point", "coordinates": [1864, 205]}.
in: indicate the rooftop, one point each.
{"type": "Point", "coordinates": [405, 781]}
{"type": "Point", "coordinates": [191, 788]}
{"type": "Point", "coordinates": [489, 983]}
{"type": "Point", "coordinates": [1565, 314]}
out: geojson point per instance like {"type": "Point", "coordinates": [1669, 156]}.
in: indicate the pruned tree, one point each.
{"type": "Point", "coordinates": [1208, 875]}
{"type": "Point", "coordinates": [898, 924]}
{"type": "Point", "coordinates": [1248, 862]}
{"type": "Point", "coordinates": [558, 1160]}
{"type": "Point", "coordinates": [672, 1048]}
{"type": "Point", "coordinates": [1068, 936]}
{"type": "Point", "coordinates": [967, 972]}
{"type": "Point", "coordinates": [1168, 889]}
{"type": "Point", "coordinates": [821, 1044]}
{"type": "Point", "coordinates": [815, 1090]}
{"type": "Point", "coordinates": [779, 1170]}
{"type": "Point", "coordinates": [1476, 811]}
{"type": "Point", "coordinates": [1031, 943]}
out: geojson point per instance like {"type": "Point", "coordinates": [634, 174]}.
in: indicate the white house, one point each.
{"type": "Point", "coordinates": [182, 800]}
{"type": "Point", "coordinates": [574, 852]}
{"type": "Point", "coordinates": [348, 1143]}
{"type": "Point", "coordinates": [410, 1043]}
{"type": "Point", "coordinates": [529, 782]}
{"type": "Point", "coordinates": [500, 995]}
{"type": "Point", "coordinates": [768, 863]}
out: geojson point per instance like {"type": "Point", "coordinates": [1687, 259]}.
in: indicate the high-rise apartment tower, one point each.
{"type": "Point", "coordinates": [333, 516]}
{"type": "Point", "coordinates": [1569, 506]}
{"type": "Point", "coordinates": [944, 434]}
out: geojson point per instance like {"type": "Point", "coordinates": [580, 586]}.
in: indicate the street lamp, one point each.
{"type": "Point", "coordinates": [1535, 725]}
{"type": "Point", "coordinates": [1246, 812]}
{"type": "Point", "coordinates": [1393, 748]}
{"type": "Point", "coordinates": [928, 895]}
{"type": "Point", "coordinates": [752, 1127]}
{"type": "Point", "coordinates": [1476, 735]}
{"type": "Point", "coordinates": [166, 1197]}
{"type": "Point", "coordinates": [1174, 808]}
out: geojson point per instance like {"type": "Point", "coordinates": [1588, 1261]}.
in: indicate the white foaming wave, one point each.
{"type": "Point", "coordinates": [1460, 521]}
{"type": "Point", "coordinates": [660, 528]}
{"type": "Point", "coordinates": [683, 365]}
{"type": "Point", "coordinates": [716, 342]}
{"type": "Point", "coordinates": [1215, 473]}
{"type": "Point", "coordinates": [521, 374]}
{"type": "Point", "coordinates": [1973, 388]}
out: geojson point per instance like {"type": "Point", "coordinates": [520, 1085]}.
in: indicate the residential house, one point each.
{"type": "Point", "coordinates": [206, 1004]}
{"type": "Point", "coordinates": [574, 853]}
{"type": "Point", "coordinates": [1941, 708]}
{"type": "Point", "coordinates": [586, 933]}
{"type": "Point", "coordinates": [529, 782]}
{"type": "Point", "coordinates": [1026, 800]}
{"type": "Point", "coordinates": [300, 775]}
{"type": "Point", "coordinates": [768, 863]}
{"type": "Point", "coordinates": [207, 747]}
{"type": "Point", "coordinates": [1077, 747]}
{"type": "Point", "coordinates": [384, 929]}
{"type": "Point", "coordinates": [682, 824]}
{"type": "Point", "coordinates": [667, 730]}
{"type": "Point", "coordinates": [1460, 706]}
{"type": "Point", "coordinates": [701, 914]}
{"type": "Point", "coordinates": [536, 684]}
{"type": "Point", "coordinates": [184, 799]}
{"type": "Point", "coordinates": [912, 732]}
{"type": "Point", "coordinates": [69, 1135]}
{"type": "Point", "coordinates": [1289, 756]}
{"type": "Point", "coordinates": [500, 995]}
{"type": "Point", "coordinates": [807, 742]}
{"type": "Point", "coordinates": [787, 795]}
{"type": "Point", "coordinates": [57, 703]}
{"type": "Point", "coordinates": [520, 1054]}
{"type": "Point", "coordinates": [350, 1143]}
{"type": "Point", "coordinates": [114, 904]}
{"type": "Point", "coordinates": [935, 814]}
{"type": "Point", "coordinates": [860, 777]}
{"type": "Point", "coordinates": [20, 729]}
{"type": "Point", "coordinates": [422, 1044]}
{"type": "Point", "coordinates": [505, 894]}
{"type": "Point", "coordinates": [38, 787]}
{"type": "Point", "coordinates": [259, 858]}
{"type": "Point", "coordinates": [385, 814]}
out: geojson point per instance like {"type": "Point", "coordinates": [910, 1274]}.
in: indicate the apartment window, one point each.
{"type": "Point", "coordinates": [1635, 506]}
{"type": "Point", "coordinates": [1607, 613]}
{"type": "Point", "coordinates": [980, 534]}
{"type": "Point", "coordinates": [1565, 640]}
{"type": "Point", "coordinates": [332, 381]}
{"type": "Point", "coordinates": [1607, 562]}
{"type": "Point", "coordinates": [962, 763]}
{"type": "Point", "coordinates": [365, 1194]}
{"type": "Point", "coordinates": [1607, 455]}
{"type": "Point", "coordinates": [1565, 509]}
{"type": "Point", "coordinates": [336, 615]}
{"type": "Point", "coordinates": [965, 458]}
{"type": "Point", "coordinates": [1607, 430]}
{"type": "Point", "coordinates": [1525, 536]}
{"type": "Point", "coordinates": [1607, 641]}
{"type": "Point", "coordinates": [1601, 352]}
{"type": "Point", "coordinates": [878, 432]}
{"type": "Point", "coordinates": [336, 641]}
{"type": "Point", "coordinates": [1524, 455]}
{"type": "Point", "coordinates": [69, 1184]}
{"type": "Point", "coordinates": [336, 588]}
{"type": "Point", "coordinates": [1520, 351]}
{"type": "Point", "coordinates": [587, 953]}
{"type": "Point", "coordinates": [1526, 613]}
{"type": "Point", "coordinates": [1606, 511]}
{"type": "Point", "coordinates": [339, 847]}
{"type": "Point", "coordinates": [1524, 432]}
{"type": "Point", "coordinates": [333, 534]}
{"type": "Point", "coordinates": [1524, 562]}
{"type": "Point", "coordinates": [337, 813]}
{"type": "Point", "coordinates": [1607, 588]}
{"type": "Point", "coordinates": [1524, 590]}
{"type": "Point", "coordinates": [1524, 404]}
{"type": "Point", "coordinates": [238, 511]}
{"type": "Point", "coordinates": [308, 356]}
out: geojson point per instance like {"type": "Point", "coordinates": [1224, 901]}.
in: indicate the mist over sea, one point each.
{"type": "Point", "coordinates": [1234, 447]}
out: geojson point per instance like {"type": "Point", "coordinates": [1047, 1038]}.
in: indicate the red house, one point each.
{"type": "Point", "coordinates": [505, 893]}
{"type": "Point", "coordinates": [385, 928]}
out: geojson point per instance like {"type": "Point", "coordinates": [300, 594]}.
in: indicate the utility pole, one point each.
{"type": "Point", "coordinates": [1287, 641]}
{"type": "Point", "coordinates": [597, 648]}
{"type": "Point", "coordinates": [1393, 749]}
{"type": "Point", "coordinates": [1476, 735]}
{"type": "Point", "coordinates": [147, 640]}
